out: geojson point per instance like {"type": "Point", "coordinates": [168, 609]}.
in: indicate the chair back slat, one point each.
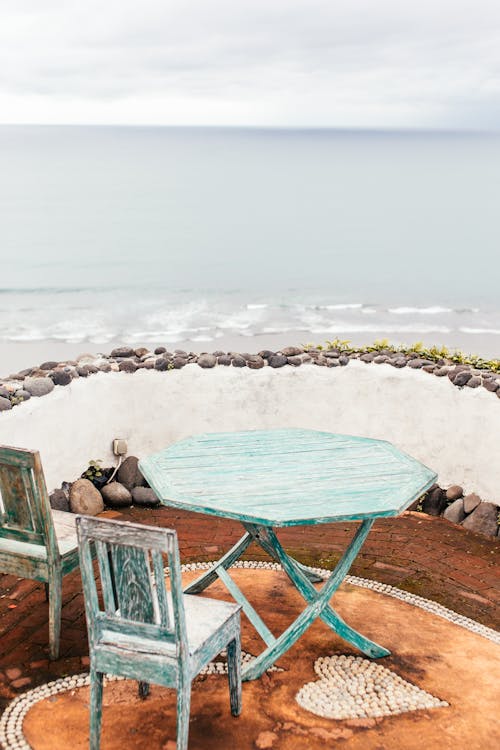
{"type": "Point", "coordinates": [165, 618]}
{"type": "Point", "coordinates": [24, 504]}
{"type": "Point", "coordinates": [132, 576]}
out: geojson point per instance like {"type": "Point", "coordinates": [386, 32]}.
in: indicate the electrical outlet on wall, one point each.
{"type": "Point", "coordinates": [119, 447]}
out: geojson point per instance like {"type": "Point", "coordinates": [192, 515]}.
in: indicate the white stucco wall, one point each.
{"type": "Point", "coordinates": [455, 432]}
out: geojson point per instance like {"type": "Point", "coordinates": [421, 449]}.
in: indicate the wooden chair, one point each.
{"type": "Point", "coordinates": [35, 541]}
{"type": "Point", "coordinates": [143, 632]}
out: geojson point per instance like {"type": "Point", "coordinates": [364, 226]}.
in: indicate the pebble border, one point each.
{"type": "Point", "coordinates": [11, 723]}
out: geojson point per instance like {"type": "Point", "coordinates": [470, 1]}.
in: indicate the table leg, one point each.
{"type": "Point", "coordinates": [201, 583]}
{"type": "Point", "coordinates": [263, 542]}
{"type": "Point", "coordinates": [318, 602]}
{"type": "Point", "coordinates": [310, 594]}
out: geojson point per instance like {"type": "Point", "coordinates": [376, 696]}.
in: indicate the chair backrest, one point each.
{"type": "Point", "coordinates": [25, 513]}
{"type": "Point", "coordinates": [132, 576]}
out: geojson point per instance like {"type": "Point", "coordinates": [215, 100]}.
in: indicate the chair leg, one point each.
{"type": "Point", "coordinates": [143, 689]}
{"type": "Point", "coordinates": [95, 708]}
{"type": "Point", "coordinates": [234, 674]}
{"type": "Point", "coordinates": [55, 604]}
{"type": "Point", "coordinates": [183, 709]}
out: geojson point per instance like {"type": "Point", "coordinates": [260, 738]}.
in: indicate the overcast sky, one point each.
{"type": "Point", "coordinates": [341, 63]}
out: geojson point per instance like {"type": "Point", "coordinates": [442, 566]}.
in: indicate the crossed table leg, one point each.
{"type": "Point", "coordinates": [302, 578]}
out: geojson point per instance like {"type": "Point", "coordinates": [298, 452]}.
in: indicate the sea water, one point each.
{"type": "Point", "coordinates": [164, 235]}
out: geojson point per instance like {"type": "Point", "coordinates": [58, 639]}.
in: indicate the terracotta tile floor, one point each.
{"type": "Point", "coordinates": [418, 553]}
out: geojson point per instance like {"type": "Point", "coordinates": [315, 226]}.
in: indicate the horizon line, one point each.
{"type": "Point", "coordinates": [191, 126]}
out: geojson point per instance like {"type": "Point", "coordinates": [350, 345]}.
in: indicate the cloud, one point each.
{"type": "Point", "coordinates": [274, 62]}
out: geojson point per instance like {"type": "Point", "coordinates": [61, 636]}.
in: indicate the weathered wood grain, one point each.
{"type": "Point", "coordinates": [287, 477]}
{"type": "Point", "coordinates": [144, 632]}
{"type": "Point", "coordinates": [35, 542]}
{"type": "Point", "coordinates": [276, 478]}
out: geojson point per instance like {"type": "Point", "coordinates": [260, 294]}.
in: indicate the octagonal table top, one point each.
{"type": "Point", "coordinates": [286, 477]}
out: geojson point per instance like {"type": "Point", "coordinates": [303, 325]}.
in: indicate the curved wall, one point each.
{"type": "Point", "coordinates": [456, 432]}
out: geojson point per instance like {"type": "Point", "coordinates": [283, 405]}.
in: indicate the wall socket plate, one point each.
{"type": "Point", "coordinates": [119, 447]}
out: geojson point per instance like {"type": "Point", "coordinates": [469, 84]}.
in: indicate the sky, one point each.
{"type": "Point", "coordinates": [285, 63]}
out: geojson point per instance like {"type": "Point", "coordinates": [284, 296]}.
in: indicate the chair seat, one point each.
{"type": "Point", "coordinates": [65, 528]}
{"type": "Point", "coordinates": [204, 617]}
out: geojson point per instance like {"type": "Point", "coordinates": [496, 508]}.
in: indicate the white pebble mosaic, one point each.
{"type": "Point", "coordinates": [315, 696]}
{"type": "Point", "coordinates": [351, 687]}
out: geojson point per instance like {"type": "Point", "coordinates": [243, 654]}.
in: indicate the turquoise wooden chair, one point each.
{"type": "Point", "coordinates": [140, 630]}
{"type": "Point", "coordinates": [36, 542]}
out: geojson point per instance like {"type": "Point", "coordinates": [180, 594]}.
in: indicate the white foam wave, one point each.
{"type": "Point", "coordinates": [432, 310]}
{"type": "Point", "coordinates": [346, 306]}
{"type": "Point", "coordinates": [346, 327]}
{"type": "Point", "coordinates": [494, 331]}
{"type": "Point", "coordinates": [257, 306]}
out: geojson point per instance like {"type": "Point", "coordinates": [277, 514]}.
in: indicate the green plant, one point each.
{"type": "Point", "coordinates": [94, 470]}
{"type": "Point", "coordinates": [433, 353]}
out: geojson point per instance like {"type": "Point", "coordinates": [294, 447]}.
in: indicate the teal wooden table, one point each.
{"type": "Point", "coordinates": [274, 478]}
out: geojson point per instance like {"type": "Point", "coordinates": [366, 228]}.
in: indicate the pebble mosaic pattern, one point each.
{"type": "Point", "coordinates": [11, 723]}
{"type": "Point", "coordinates": [353, 687]}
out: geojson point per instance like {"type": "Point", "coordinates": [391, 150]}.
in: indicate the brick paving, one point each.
{"type": "Point", "coordinates": [425, 555]}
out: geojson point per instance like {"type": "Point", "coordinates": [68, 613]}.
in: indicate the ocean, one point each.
{"type": "Point", "coordinates": [218, 238]}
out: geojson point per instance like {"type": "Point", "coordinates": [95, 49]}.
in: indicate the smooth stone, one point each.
{"type": "Point", "coordinates": [483, 520]}
{"type": "Point", "coordinates": [454, 492]}
{"type": "Point", "coordinates": [160, 350]}
{"type": "Point", "coordinates": [278, 360]}
{"type": "Point", "coordinates": [344, 360]}
{"type": "Point", "coordinates": [161, 364]}
{"type": "Point", "coordinates": [368, 357]}
{"type": "Point", "coordinates": [238, 361]}
{"type": "Point", "coordinates": [106, 367]}
{"type": "Point", "coordinates": [180, 353]}
{"type": "Point", "coordinates": [491, 384]}
{"type": "Point", "coordinates": [61, 377]}
{"type": "Point", "coordinates": [141, 352]}
{"type": "Point", "coordinates": [295, 361]}
{"type": "Point", "coordinates": [255, 362]}
{"type": "Point", "coordinates": [473, 382]}
{"type": "Point", "coordinates": [4, 393]}
{"type": "Point", "coordinates": [5, 404]}
{"type": "Point", "coordinates": [59, 500]}
{"type": "Point", "coordinates": [455, 512]}
{"type": "Point", "coordinates": [48, 365]}
{"type": "Point", "coordinates": [207, 361]}
{"type": "Point", "coordinates": [332, 362]}
{"type": "Point", "coordinates": [224, 359]}
{"type": "Point", "coordinates": [144, 496]}
{"type": "Point", "coordinates": [434, 502]}
{"type": "Point", "coordinates": [122, 351]}
{"type": "Point", "coordinates": [127, 365]}
{"type": "Point", "coordinates": [179, 362]}
{"type": "Point", "coordinates": [320, 360]}
{"type": "Point", "coordinates": [24, 395]}
{"type": "Point", "coordinates": [116, 495]}
{"type": "Point", "coordinates": [291, 351]}
{"type": "Point", "coordinates": [380, 359]}
{"type": "Point", "coordinates": [38, 386]}
{"type": "Point", "coordinates": [398, 362]}
{"type": "Point", "coordinates": [441, 371]}
{"type": "Point", "coordinates": [129, 473]}
{"type": "Point", "coordinates": [462, 378]}
{"type": "Point", "coordinates": [84, 498]}
{"type": "Point", "coordinates": [266, 353]}
{"type": "Point", "coordinates": [471, 502]}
